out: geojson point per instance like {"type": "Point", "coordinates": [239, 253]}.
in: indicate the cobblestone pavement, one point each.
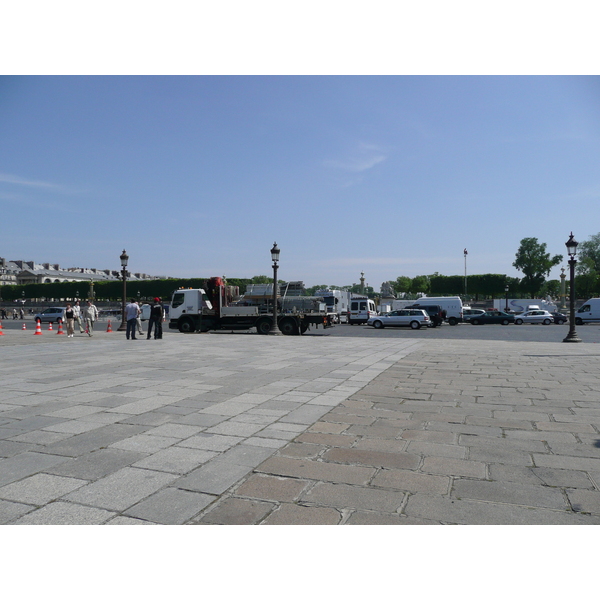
{"type": "Point", "coordinates": [246, 429]}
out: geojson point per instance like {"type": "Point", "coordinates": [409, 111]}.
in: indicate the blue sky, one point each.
{"type": "Point", "coordinates": [390, 175]}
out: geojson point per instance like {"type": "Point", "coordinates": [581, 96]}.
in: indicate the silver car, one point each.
{"type": "Point", "coordinates": [534, 316]}
{"type": "Point", "coordinates": [407, 317]}
{"type": "Point", "coordinates": [54, 314]}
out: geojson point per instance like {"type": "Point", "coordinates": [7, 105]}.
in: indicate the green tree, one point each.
{"type": "Point", "coordinates": [535, 264]}
{"type": "Point", "coordinates": [589, 255]}
{"type": "Point", "coordinates": [401, 285]}
{"type": "Point", "coordinates": [420, 284]}
{"type": "Point", "coordinates": [587, 279]}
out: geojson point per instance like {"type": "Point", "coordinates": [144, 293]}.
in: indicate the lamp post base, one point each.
{"type": "Point", "coordinates": [122, 326]}
{"type": "Point", "coordinates": [572, 337]}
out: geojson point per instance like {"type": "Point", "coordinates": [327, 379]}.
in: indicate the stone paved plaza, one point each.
{"type": "Point", "coordinates": [248, 429]}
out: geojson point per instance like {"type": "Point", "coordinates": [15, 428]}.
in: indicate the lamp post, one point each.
{"type": "Point", "coordinates": [275, 259]}
{"type": "Point", "coordinates": [571, 245]}
{"type": "Point", "coordinates": [506, 291]}
{"type": "Point", "coordinates": [124, 258]}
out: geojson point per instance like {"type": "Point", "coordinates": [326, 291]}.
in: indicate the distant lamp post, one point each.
{"type": "Point", "coordinates": [124, 258]}
{"type": "Point", "coordinates": [571, 245]}
{"type": "Point", "coordinates": [275, 259]}
{"type": "Point", "coordinates": [563, 289]}
{"type": "Point", "coordinates": [506, 291]}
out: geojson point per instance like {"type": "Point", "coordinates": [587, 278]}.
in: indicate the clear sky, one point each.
{"type": "Point", "coordinates": [391, 175]}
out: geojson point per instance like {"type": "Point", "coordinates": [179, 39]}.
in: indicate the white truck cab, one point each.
{"type": "Point", "coordinates": [589, 312]}
{"type": "Point", "coordinates": [188, 302]}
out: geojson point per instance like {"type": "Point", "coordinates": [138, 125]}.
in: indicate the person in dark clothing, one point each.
{"type": "Point", "coordinates": [157, 315]}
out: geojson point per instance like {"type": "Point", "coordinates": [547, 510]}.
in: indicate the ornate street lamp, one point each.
{"type": "Point", "coordinates": [275, 259]}
{"type": "Point", "coordinates": [571, 245]}
{"type": "Point", "coordinates": [124, 258]}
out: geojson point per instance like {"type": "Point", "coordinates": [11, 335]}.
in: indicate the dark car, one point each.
{"type": "Point", "coordinates": [559, 318]}
{"type": "Point", "coordinates": [491, 317]}
{"type": "Point", "coordinates": [435, 312]}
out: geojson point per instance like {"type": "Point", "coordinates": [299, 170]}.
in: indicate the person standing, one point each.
{"type": "Point", "coordinates": [77, 317]}
{"type": "Point", "coordinates": [70, 317]}
{"type": "Point", "coordinates": [157, 315]}
{"type": "Point", "coordinates": [132, 310]}
{"type": "Point", "coordinates": [90, 314]}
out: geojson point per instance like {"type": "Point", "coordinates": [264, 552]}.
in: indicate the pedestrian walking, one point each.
{"type": "Point", "coordinates": [70, 317]}
{"type": "Point", "coordinates": [77, 317]}
{"type": "Point", "coordinates": [90, 315]}
{"type": "Point", "coordinates": [132, 310]}
{"type": "Point", "coordinates": [157, 316]}
{"type": "Point", "coordinates": [138, 322]}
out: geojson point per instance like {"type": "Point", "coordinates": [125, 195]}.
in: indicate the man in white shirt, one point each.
{"type": "Point", "coordinates": [90, 314]}
{"type": "Point", "coordinates": [132, 310]}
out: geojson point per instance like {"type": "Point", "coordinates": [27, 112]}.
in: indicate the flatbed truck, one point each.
{"type": "Point", "coordinates": [197, 310]}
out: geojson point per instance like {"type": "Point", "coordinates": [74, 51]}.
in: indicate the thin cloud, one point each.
{"type": "Point", "coordinates": [6, 178]}
{"type": "Point", "coordinates": [364, 158]}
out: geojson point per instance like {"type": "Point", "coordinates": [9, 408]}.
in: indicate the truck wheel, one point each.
{"type": "Point", "coordinates": [578, 321]}
{"type": "Point", "coordinates": [264, 326]}
{"type": "Point", "coordinates": [288, 327]}
{"type": "Point", "coordinates": [303, 328]}
{"type": "Point", "coordinates": [453, 321]}
{"type": "Point", "coordinates": [187, 326]}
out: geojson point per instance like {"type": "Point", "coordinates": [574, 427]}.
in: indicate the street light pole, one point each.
{"type": "Point", "coordinates": [506, 290]}
{"type": "Point", "coordinates": [124, 258]}
{"type": "Point", "coordinates": [275, 259]}
{"type": "Point", "coordinates": [571, 245]}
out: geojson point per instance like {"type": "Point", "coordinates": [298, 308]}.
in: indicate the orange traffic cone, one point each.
{"type": "Point", "coordinates": [24, 327]}
{"type": "Point", "coordinates": [50, 326]}
{"type": "Point", "coordinates": [60, 330]}
{"type": "Point", "coordinates": [109, 328]}
{"type": "Point", "coordinates": [1, 332]}
{"type": "Point", "coordinates": [38, 328]}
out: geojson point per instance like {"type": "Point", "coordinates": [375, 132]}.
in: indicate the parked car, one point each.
{"type": "Point", "coordinates": [406, 317]}
{"type": "Point", "coordinates": [491, 317]}
{"type": "Point", "coordinates": [54, 314]}
{"type": "Point", "coordinates": [435, 312]}
{"type": "Point", "coordinates": [469, 313]}
{"type": "Point", "coordinates": [534, 316]}
{"type": "Point", "coordinates": [559, 318]}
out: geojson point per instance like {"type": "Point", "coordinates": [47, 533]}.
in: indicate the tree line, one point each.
{"type": "Point", "coordinates": [531, 259]}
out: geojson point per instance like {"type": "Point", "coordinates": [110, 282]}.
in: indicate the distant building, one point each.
{"type": "Point", "coordinates": [20, 272]}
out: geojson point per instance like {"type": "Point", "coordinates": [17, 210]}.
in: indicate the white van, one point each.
{"type": "Point", "coordinates": [361, 310]}
{"type": "Point", "coordinates": [451, 304]}
{"type": "Point", "coordinates": [589, 312]}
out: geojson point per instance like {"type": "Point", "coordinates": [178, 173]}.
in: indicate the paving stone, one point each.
{"type": "Point", "coordinates": [326, 439]}
{"type": "Point", "coordinates": [470, 512]}
{"type": "Point", "coordinates": [306, 469]}
{"type": "Point", "coordinates": [121, 489]}
{"type": "Point", "coordinates": [212, 478]}
{"type": "Point", "coordinates": [9, 511]}
{"type": "Point", "coordinates": [397, 460]}
{"type": "Point", "coordinates": [175, 460]}
{"type": "Point", "coordinates": [372, 518]}
{"type": "Point", "coordinates": [210, 441]}
{"type": "Point", "coordinates": [411, 481]}
{"type": "Point", "coordinates": [585, 501]}
{"type": "Point", "coordinates": [359, 497]}
{"type": "Point", "coordinates": [276, 489]}
{"type": "Point", "coordinates": [142, 443]}
{"type": "Point", "coordinates": [40, 488]}
{"type": "Point", "coordinates": [170, 506]}
{"type": "Point", "coordinates": [23, 465]}
{"type": "Point", "coordinates": [511, 493]}
{"type": "Point", "coordinates": [453, 467]}
{"type": "Point", "coordinates": [237, 511]}
{"type": "Point", "coordinates": [564, 478]}
{"type": "Point", "coordinates": [65, 513]}
{"type": "Point", "coordinates": [293, 514]}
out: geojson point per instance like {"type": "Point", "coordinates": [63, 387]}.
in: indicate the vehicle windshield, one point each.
{"type": "Point", "coordinates": [178, 300]}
